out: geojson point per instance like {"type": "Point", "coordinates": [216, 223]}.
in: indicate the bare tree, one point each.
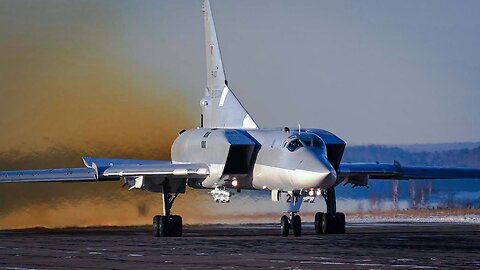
{"type": "Point", "coordinates": [395, 195]}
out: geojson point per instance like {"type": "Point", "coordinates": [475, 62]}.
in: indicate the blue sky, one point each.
{"type": "Point", "coordinates": [370, 71]}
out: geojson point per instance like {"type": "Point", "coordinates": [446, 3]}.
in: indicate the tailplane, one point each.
{"type": "Point", "coordinates": [220, 107]}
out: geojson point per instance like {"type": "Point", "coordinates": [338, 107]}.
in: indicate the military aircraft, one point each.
{"type": "Point", "coordinates": [229, 152]}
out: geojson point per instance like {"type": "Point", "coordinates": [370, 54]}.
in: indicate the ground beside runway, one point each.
{"type": "Point", "coordinates": [364, 246]}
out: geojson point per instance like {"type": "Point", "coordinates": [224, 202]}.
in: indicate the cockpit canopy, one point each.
{"type": "Point", "coordinates": [310, 140]}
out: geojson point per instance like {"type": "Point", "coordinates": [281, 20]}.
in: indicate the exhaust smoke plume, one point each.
{"type": "Point", "coordinates": [67, 90]}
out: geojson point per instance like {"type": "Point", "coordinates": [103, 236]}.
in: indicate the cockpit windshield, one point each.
{"type": "Point", "coordinates": [311, 140]}
{"type": "Point", "coordinates": [304, 140]}
{"type": "Point", "coordinates": [294, 145]}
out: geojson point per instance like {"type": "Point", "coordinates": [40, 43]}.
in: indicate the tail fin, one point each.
{"type": "Point", "coordinates": [220, 107]}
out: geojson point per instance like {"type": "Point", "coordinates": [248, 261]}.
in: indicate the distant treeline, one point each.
{"type": "Point", "coordinates": [387, 154]}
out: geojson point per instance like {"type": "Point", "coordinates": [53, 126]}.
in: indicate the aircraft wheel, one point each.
{"type": "Point", "coordinates": [175, 226]}
{"type": "Point", "coordinates": [162, 226]}
{"type": "Point", "coordinates": [284, 226]}
{"type": "Point", "coordinates": [318, 222]}
{"type": "Point", "coordinates": [328, 224]}
{"type": "Point", "coordinates": [155, 226]}
{"type": "Point", "coordinates": [340, 223]}
{"type": "Point", "coordinates": [159, 226]}
{"type": "Point", "coordinates": [297, 225]}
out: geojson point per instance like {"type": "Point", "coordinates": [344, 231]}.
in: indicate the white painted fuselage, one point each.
{"type": "Point", "coordinates": [271, 162]}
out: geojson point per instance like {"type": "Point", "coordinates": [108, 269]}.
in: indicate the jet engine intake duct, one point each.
{"type": "Point", "coordinates": [335, 146]}
{"type": "Point", "coordinates": [240, 153]}
{"type": "Point", "coordinates": [239, 159]}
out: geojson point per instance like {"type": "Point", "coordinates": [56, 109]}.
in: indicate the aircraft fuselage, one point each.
{"type": "Point", "coordinates": [267, 159]}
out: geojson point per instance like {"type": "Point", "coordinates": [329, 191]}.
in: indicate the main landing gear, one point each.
{"type": "Point", "coordinates": [326, 223]}
{"type": "Point", "coordinates": [332, 222]}
{"type": "Point", "coordinates": [167, 225]}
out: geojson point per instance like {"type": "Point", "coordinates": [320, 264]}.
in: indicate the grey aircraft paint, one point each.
{"type": "Point", "coordinates": [258, 159]}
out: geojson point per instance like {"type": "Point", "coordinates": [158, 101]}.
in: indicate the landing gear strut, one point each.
{"type": "Point", "coordinates": [332, 221]}
{"type": "Point", "coordinates": [167, 225]}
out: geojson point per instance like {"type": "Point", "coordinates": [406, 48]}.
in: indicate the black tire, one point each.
{"type": "Point", "coordinates": [176, 226]}
{"type": "Point", "coordinates": [158, 226]}
{"type": "Point", "coordinates": [297, 225]}
{"type": "Point", "coordinates": [340, 223]}
{"type": "Point", "coordinates": [284, 226]}
{"type": "Point", "coordinates": [162, 226]}
{"type": "Point", "coordinates": [328, 224]}
{"type": "Point", "coordinates": [318, 222]}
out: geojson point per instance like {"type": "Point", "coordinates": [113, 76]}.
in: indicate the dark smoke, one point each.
{"type": "Point", "coordinates": [66, 91]}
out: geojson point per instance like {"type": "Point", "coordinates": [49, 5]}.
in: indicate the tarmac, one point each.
{"type": "Point", "coordinates": [251, 246]}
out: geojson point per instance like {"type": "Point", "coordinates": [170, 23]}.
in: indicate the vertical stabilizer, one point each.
{"type": "Point", "coordinates": [220, 107]}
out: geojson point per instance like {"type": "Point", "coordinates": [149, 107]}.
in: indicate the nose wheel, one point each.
{"type": "Point", "coordinates": [284, 226]}
{"type": "Point", "coordinates": [294, 222]}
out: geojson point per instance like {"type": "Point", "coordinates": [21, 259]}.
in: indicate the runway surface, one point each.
{"type": "Point", "coordinates": [364, 246]}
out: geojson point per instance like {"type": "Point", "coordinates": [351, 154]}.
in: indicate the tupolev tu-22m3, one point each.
{"type": "Point", "coordinates": [229, 151]}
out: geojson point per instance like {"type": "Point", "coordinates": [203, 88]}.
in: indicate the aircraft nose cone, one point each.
{"type": "Point", "coordinates": [315, 173]}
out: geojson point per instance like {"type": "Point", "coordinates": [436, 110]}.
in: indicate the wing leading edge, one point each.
{"type": "Point", "coordinates": [358, 174]}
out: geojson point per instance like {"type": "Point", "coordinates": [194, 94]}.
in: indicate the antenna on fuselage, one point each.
{"type": "Point", "coordinates": [299, 129]}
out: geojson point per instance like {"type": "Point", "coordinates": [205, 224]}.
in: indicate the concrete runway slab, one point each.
{"type": "Point", "coordinates": [258, 246]}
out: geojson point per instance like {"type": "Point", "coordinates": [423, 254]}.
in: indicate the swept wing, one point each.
{"type": "Point", "coordinates": [105, 169]}
{"type": "Point", "coordinates": [358, 174]}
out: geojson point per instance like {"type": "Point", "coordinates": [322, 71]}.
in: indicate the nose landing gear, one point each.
{"type": "Point", "coordinates": [294, 223]}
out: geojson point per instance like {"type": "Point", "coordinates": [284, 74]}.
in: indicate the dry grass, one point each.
{"type": "Point", "coordinates": [415, 213]}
